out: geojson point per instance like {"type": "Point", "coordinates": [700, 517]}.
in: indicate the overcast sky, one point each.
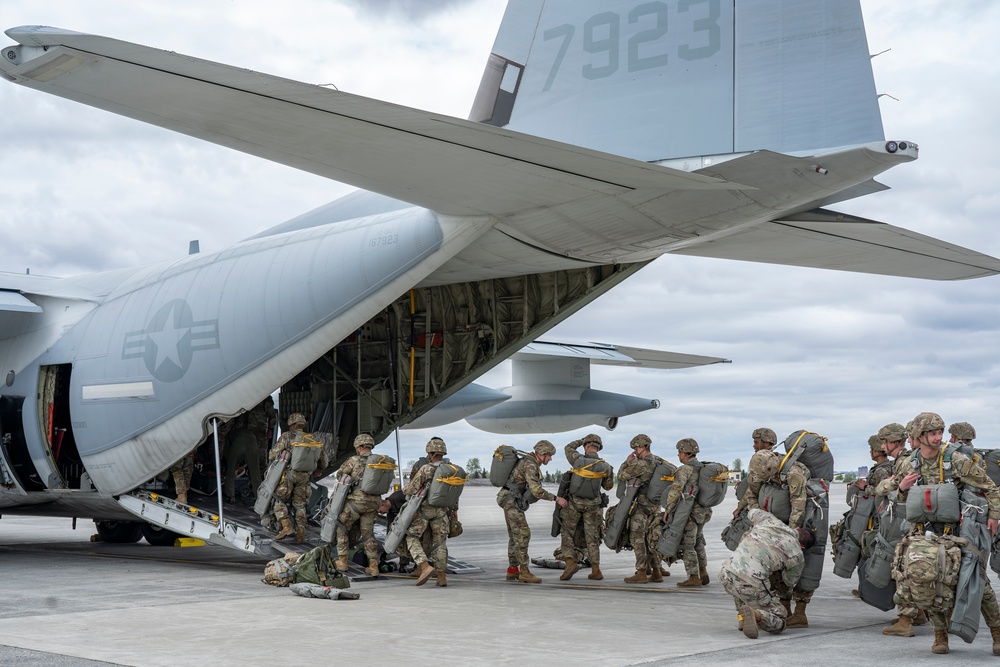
{"type": "Point", "coordinates": [841, 354]}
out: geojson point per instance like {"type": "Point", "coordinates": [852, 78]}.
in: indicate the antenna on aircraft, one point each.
{"type": "Point", "coordinates": [193, 247]}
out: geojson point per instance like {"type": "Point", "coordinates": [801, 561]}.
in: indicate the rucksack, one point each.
{"type": "Point", "coordinates": [926, 571]}
{"type": "Point", "coordinates": [587, 475]}
{"type": "Point", "coordinates": [446, 487]}
{"type": "Point", "coordinates": [279, 572]}
{"type": "Point", "coordinates": [809, 449]}
{"type": "Point", "coordinates": [505, 458]}
{"type": "Point", "coordinates": [379, 474]}
{"type": "Point", "coordinates": [713, 480]}
{"type": "Point", "coordinates": [306, 452]}
{"type": "Point", "coordinates": [316, 566]}
{"type": "Point", "coordinates": [991, 459]}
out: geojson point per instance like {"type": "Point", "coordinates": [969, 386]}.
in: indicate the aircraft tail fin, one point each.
{"type": "Point", "coordinates": [681, 78]}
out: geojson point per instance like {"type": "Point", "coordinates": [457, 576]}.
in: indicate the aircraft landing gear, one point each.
{"type": "Point", "coordinates": [119, 532]}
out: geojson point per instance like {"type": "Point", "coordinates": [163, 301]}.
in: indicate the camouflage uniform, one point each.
{"type": "Point", "coordinates": [296, 482]}
{"type": "Point", "coordinates": [965, 471]}
{"type": "Point", "coordinates": [586, 509]}
{"type": "Point", "coordinates": [435, 519]}
{"type": "Point", "coordinates": [769, 551]}
{"type": "Point", "coordinates": [527, 473]}
{"type": "Point", "coordinates": [644, 524]}
{"type": "Point", "coordinates": [692, 545]}
{"type": "Point", "coordinates": [241, 446]}
{"type": "Point", "coordinates": [261, 421]}
{"type": "Point", "coordinates": [360, 507]}
{"type": "Point", "coordinates": [182, 472]}
{"type": "Point", "coordinates": [796, 480]}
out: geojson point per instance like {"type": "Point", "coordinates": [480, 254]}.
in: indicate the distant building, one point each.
{"type": "Point", "coordinates": [735, 476]}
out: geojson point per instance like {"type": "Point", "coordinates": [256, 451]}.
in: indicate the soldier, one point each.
{"type": "Point", "coordinates": [644, 524]}
{"type": "Point", "coordinates": [882, 469]}
{"type": "Point", "coordinates": [763, 438]}
{"type": "Point", "coordinates": [241, 448]}
{"type": "Point", "coordinates": [261, 421]}
{"type": "Point", "coordinates": [525, 478]}
{"type": "Point", "coordinates": [586, 509]}
{"type": "Point", "coordinates": [182, 472]}
{"type": "Point", "coordinates": [765, 471]}
{"type": "Point", "coordinates": [693, 543]}
{"type": "Point", "coordinates": [770, 551]}
{"type": "Point", "coordinates": [962, 432]}
{"type": "Point", "coordinates": [308, 458]}
{"type": "Point", "coordinates": [436, 519]}
{"type": "Point", "coordinates": [893, 437]}
{"type": "Point", "coordinates": [360, 507]}
{"type": "Point", "coordinates": [926, 466]}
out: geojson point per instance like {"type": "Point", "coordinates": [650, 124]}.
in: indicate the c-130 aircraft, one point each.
{"type": "Point", "coordinates": [470, 238]}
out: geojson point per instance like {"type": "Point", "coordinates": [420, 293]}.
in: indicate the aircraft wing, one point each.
{"type": "Point", "coordinates": [618, 355]}
{"type": "Point", "coordinates": [367, 143]}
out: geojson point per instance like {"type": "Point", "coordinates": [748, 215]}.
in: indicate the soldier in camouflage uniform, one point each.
{"type": "Point", "coordinates": [763, 438]}
{"type": "Point", "coordinates": [770, 551]}
{"type": "Point", "coordinates": [795, 482]}
{"type": "Point", "coordinates": [261, 421]}
{"type": "Point", "coordinates": [240, 448]}
{"type": "Point", "coordinates": [182, 472]}
{"type": "Point", "coordinates": [644, 524]}
{"type": "Point", "coordinates": [436, 519]}
{"type": "Point", "coordinates": [587, 510]}
{"type": "Point", "coordinates": [926, 467]}
{"type": "Point", "coordinates": [295, 483]}
{"type": "Point", "coordinates": [527, 475]}
{"type": "Point", "coordinates": [962, 432]}
{"type": "Point", "coordinates": [893, 438]}
{"type": "Point", "coordinates": [692, 545]}
{"type": "Point", "coordinates": [360, 507]}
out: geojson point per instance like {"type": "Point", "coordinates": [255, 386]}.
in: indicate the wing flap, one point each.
{"type": "Point", "coordinates": [615, 355]}
{"type": "Point", "coordinates": [826, 239]}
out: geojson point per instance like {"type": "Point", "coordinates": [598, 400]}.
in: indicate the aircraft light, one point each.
{"type": "Point", "coordinates": [891, 147]}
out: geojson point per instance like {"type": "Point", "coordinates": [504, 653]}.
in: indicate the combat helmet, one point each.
{"type": "Point", "coordinates": [926, 421]}
{"type": "Point", "coordinates": [593, 438]}
{"type": "Point", "coordinates": [893, 432]}
{"type": "Point", "coordinates": [765, 435]}
{"type": "Point", "coordinates": [364, 440]}
{"type": "Point", "coordinates": [962, 431]}
{"type": "Point", "coordinates": [641, 440]}
{"type": "Point", "coordinates": [875, 444]}
{"type": "Point", "coordinates": [763, 464]}
{"type": "Point", "coordinates": [296, 418]}
{"type": "Point", "coordinates": [689, 445]}
{"type": "Point", "coordinates": [543, 447]}
{"type": "Point", "coordinates": [436, 446]}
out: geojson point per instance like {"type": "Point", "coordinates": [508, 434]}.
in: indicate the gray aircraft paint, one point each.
{"type": "Point", "coordinates": [594, 70]}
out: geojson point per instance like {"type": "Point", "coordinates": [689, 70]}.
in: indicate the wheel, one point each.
{"type": "Point", "coordinates": [158, 537]}
{"type": "Point", "coordinates": [119, 532]}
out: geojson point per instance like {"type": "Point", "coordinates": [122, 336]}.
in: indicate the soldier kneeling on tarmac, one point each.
{"type": "Point", "coordinates": [769, 552]}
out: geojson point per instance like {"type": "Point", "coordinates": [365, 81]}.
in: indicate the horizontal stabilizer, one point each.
{"type": "Point", "coordinates": [14, 302]}
{"type": "Point", "coordinates": [617, 355]}
{"type": "Point", "coordinates": [826, 239]}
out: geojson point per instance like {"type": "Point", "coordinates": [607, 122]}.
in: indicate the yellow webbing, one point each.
{"type": "Point", "coordinates": [797, 441]}
{"type": "Point", "coordinates": [454, 480]}
{"type": "Point", "coordinates": [307, 441]}
{"type": "Point", "coordinates": [585, 471]}
{"type": "Point", "coordinates": [382, 464]}
{"type": "Point", "coordinates": [497, 455]}
{"type": "Point", "coordinates": [667, 478]}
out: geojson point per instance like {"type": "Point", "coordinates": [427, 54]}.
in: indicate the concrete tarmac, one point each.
{"type": "Point", "coordinates": [67, 601]}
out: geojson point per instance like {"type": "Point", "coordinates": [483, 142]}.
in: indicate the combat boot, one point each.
{"type": "Point", "coordinates": [341, 564]}
{"type": "Point", "coordinates": [940, 644]}
{"type": "Point", "coordinates": [182, 498]}
{"type": "Point", "coordinates": [572, 567]}
{"type": "Point", "coordinates": [787, 604]}
{"type": "Point", "coordinates": [798, 618]}
{"type": "Point", "coordinates": [703, 574]}
{"type": "Point", "coordinates": [300, 534]}
{"type": "Point", "coordinates": [286, 529]}
{"type": "Point", "coordinates": [513, 574]}
{"type": "Point", "coordinates": [996, 640]}
{"type": "Point", "coordinates": [903, 627]}
{"type": "Point", "coordinates": [751, 617]}
{"type": "Point", "coordinates": [595, 573]}
{"type": "Point", "coordinates": [638, 578]}
{"type": "Point", "coordinates": [425, 573]}
{"type": "Point", "coordinates": [525, 575]}
{"type": "Point", "coordinates": [693, 581]}
{"type": "Point", "coordinates": [442, 579]}
{"type": "Point", "coordinates": [656, 576]}
{"type": "Point", "coordinates": [920, 618]}
{"type": "Point", "coordinates": [372, 568]}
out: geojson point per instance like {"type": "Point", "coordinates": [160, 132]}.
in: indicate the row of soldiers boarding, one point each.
{"type": "Point", "coordinates": [921, 528]}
